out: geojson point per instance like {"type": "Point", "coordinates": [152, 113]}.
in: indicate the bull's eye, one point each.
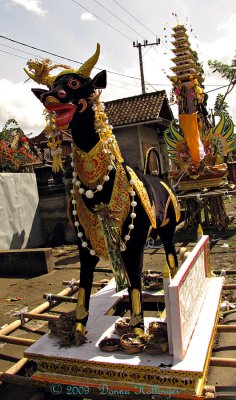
{"type": "Point", "coordinates": [73, 83]}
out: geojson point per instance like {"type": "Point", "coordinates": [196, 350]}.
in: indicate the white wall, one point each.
{"type": "Point", "coordinates": [20, 223]}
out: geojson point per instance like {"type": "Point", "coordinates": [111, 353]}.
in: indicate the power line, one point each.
{"type": "Point", "coordinates": [21, 51]}
{"type": "Point", "coordinates": [78, 62]}
{"type": "Point", "coordinates": [43, 51]}
{"type": "Point", "coordinates": [221, 87]}
{"type": "Point", "coordinates": [136, 19]}
{"type": "Point", "coordinates": [141, 23]}
{"type": "Point", "coordinates": [127, 83]}
{"type": "Point", "coordinates": [7, 52]}
{"type": "Point", "coordinates": [24, 58]}
{"type": "Point", "coordinates": [119, 19]}
{"type": "Point", "coordinates": [111, 84]}
{"type": "Point", "coordinates": [64, 58]}
{"type": "Point", "coordinates": [105, 22]}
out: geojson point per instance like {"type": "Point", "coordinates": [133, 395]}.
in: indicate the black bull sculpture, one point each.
{"type": "Point", "coordinates": [112, 205]}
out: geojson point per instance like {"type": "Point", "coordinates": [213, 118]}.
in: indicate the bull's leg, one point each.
{"type": "Point", "coordinates": [166, 234]}
{"type": "Point", "coordinates": [87, 267]}
{"type": "Point", "coordinates": [133, 261]}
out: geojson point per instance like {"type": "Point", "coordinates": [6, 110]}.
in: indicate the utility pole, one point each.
{"type": "Point", "coordinates": [139, 46]}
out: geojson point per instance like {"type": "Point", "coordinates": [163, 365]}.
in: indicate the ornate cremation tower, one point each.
{"type": "Point", "coordinates": [195, 144]}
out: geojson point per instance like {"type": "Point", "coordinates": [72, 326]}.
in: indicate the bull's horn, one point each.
{"type": "Point", "coordinates": [87, 67]}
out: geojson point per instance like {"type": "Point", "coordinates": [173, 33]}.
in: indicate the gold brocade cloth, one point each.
{"type": "Point", "coordinates": [119, 206]}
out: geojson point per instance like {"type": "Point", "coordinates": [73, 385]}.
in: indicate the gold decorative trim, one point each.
{"type": "Point", "coordinates": [143, 196]}
{"type": "Point", "coordinates": [200, 184]}
{"type": "Point", "coordinates": [116, 372]}
{"type": "Point", "coordinates": [166, 220]}
{"type": "Point", "coordinates": [120, 389]}
{"type": "Point", "coordinates": [174, 201]}
{"type": "Point", "coordinates": [207, 361]}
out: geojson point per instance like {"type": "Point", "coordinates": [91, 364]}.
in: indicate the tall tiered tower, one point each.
{"type": "Point", "coordinates": [189, 93]}
{"type": "Point", "coordinates": [187, 79]}
{"type": "Point", "coordinates": [195, 144]}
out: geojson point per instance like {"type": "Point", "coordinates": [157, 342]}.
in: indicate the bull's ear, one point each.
{"type": "Point", "coordinates": [38, 92]}
{"type": "Point", "coordinates": [100, 80]}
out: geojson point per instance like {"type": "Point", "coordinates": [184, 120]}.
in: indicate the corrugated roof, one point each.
{"type": "Point", "coordinates": [130, 110]}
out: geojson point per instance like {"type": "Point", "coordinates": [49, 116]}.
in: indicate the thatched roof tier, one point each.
{"type": "Point", "coordinates": [184, 58]}
{"type": "Point", "coordinates": [180, 43]}
{"type": "Point", "coordinates": [185, 67]}
{"type": "Point", "coordinates": [178, 28]}
{"type": "Point", "coordinates": [180, 36]}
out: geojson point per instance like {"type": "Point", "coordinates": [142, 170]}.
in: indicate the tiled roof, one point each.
{"type": "Point", "coordinates": [142, 108]}
{"type": "Point", "coordinates": [41, 138]}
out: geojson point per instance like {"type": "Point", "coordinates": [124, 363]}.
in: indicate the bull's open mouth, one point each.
{"type": "Point", "coordinates": [64, 112]}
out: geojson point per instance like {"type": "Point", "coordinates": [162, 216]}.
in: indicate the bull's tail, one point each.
{"type": "Point", "coordinates": [147, 165]}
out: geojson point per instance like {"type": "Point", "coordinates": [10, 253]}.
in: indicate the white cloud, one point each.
{"type": "Point", "coordinates": [21, 104]}
{"type": "Point", "coordinates": [87, 17]}
{"type": "Point", "coordinates": [228, 26]}
{"type": "Point", "coordinates": [34, 6]}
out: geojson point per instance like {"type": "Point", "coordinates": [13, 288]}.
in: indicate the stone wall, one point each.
{"type": "Point", "coordinates": [53, 209]}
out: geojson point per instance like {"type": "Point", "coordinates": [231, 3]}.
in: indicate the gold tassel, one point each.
{"type": "Point", "coordinates": [53, 142]}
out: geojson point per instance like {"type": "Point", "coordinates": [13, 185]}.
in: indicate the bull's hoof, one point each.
{"type": "Point", "coordinates": [79, 334]}
{"type": "Point", "coordinates": [79, 338]}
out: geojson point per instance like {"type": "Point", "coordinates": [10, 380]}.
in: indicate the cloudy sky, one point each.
{"type": "Point", "coordinates": [71, 29]}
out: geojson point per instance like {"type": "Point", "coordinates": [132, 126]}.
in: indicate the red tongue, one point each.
{"type": "Point", "coordinates": [64, 113]}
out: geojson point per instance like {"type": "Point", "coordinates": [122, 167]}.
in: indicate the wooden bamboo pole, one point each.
{"type": "Point", "coordinates": [15, 379]}
{"type": "Point", "coordinates": [17, 366]}
{"type": "Point", "coordinates": [42, 317]}
{"type": "Point", "coordinates": [223, 362]}
{"type": "Point", "coordinates": [60, 299]}
{"type": "Point", "coordinates": [229, 286]}
{"type": "Point", "coordinates": [41, 308]}
{"type": "Point", "coordinates": [226, 328]}
{"type": "Point", "coordinates": [16, 340]}
{"type": "Point", "coordinates": [95, 284]}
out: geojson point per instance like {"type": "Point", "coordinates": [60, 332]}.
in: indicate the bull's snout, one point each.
{"type": "Point", "coordinates": [61, 93]}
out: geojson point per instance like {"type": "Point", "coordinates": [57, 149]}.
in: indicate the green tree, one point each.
{"type": "Point", "coordinates": [226, 71]}
{"type": "Point", "coordinates": [221, 105]}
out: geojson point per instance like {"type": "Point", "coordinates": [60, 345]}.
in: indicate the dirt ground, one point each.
{"type": "Point", "coordinates": [23, 293]}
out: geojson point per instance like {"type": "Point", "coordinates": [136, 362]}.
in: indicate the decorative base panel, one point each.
{"type": "Point", "coordinates": [86, 371]}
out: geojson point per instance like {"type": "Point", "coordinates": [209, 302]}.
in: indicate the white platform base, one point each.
{"type": "Point", "coordinates": [88, 368]}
